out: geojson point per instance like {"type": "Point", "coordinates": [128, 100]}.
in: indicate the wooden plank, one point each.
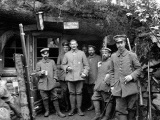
{"type": "Point", "coordinates": [30, 27]}
{"type": "Point", "coordinates": [52, 19]}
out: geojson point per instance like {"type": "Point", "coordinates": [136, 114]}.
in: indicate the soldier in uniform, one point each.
{"type": "Point", "coordinates": [76, 66]}
{"type": "Point", "coordinates": [47, 71]}
{"type": "Point", "coordinates": [93, 60]}
{"type": "Point", "coordinates": [125, 68]}
{"type": "Point", "coordinates": [61, 74]}
{"type": "Point", "coordinates": [102, 85]}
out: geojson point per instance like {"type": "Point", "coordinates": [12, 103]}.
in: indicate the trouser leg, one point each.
{"type": "Point", "coordinates": [56, 105]}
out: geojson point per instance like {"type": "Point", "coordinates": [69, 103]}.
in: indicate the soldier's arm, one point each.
{"type": "Point", "coordinates": [54, 70]}
{"type": "Point", "coordinates": [59, 62]}
{"type": "Point", "coordinates": [38, 69]}
{"type": "Point", "coordinates": [137, 67]}
{"type": "Point", "coordinates": [65, 63]}
{"type": "Point", "coordinates": [85, 64]}
{"type": "Point", "coordinates": [111, 72]}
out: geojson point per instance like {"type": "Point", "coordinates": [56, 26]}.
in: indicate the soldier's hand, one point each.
{"type": "Point", "coordinates": [69, 68]}
{"type": "Point", "coordinates": [43, 72]}
{"type": "Point", "coordinates": [127, 79]}
{"type": "Point", "coordinates": [83, 75]}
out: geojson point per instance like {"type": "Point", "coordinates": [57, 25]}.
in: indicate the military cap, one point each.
{"type": "Point", "coordinates": [120, 36]}
{"type": "Point", "coordinates": [105, 48]}
{"type": "Point", "coordinates": [91, 46]}
{"type": "Point", "coordinates": [44, 50]}
{"type": "Point", "coordinates": [65, 44]}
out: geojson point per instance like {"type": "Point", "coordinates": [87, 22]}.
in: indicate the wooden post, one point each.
{"type": "Point", "coordinates": [22, 87]}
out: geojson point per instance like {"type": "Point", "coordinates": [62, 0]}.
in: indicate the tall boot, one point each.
{"type": "Point", "coordinates": [15, 109]}
{"type": "Point", "coordinates": [79, 103]}
{"type": "Point", "coordinates": [97, 110]}
{"type": "Point", "coordinates": [46, 107]}
{"type": "Point", "coordinates": [73, 104]}
{"type": "Point", "coordinates": [122, 117]}
{"type": "Point", "coordinates": [131, 114]}
{"type": "Point", "coordinates": [91, 107]}
{"type": "Point", "coordinates": [67, 101]}
{"type": "Point", "coordinates": [58, 112]}
{"type": "Point", "coordinates": [108, 111]}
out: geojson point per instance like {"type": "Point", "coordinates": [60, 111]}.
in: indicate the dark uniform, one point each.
{"type": "Point", "coordinates": [47, 83]}
{"type": "Point", "coordinates": [102, 88]}
{"type": "Point", "coordinates": [62, 74]}
{"type": "Point", "coordinates": [123, 64]}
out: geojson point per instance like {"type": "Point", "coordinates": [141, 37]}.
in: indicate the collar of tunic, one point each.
{"type": "Point", "coordinates": [45, 61]}
{"type": "Point", "coordinates": [123, 54]}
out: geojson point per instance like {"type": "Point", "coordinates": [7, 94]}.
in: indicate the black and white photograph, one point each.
{"type": "Point", "coordinates": [79, 59]}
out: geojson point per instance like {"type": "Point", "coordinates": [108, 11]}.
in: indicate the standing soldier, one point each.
{"type": "Point", "coordinates": [61, 74]}
{"type": "Point", "coordinates": [93, 60]}
{"type": "Point", "coordinates": [76, 66]}
{"type": "Point", "coordinates": [102, 86]}
{"type": "Point", "coordinates": [125, 69]}
{"type": "Point", "coordinates": [47, 71]}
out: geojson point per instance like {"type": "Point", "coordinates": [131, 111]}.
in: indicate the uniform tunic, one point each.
{"type": "Point", "coordinates": [101, 89]}
{"type": "Point", "coordinates": [122, 65]}
{"type": "Point", "coordinates": [102, 71]}
{"type": "Point", "coordinates": [61, 72]}
{"type": "Point", "coordinates": [78, 62]}
{"type": "Point", "coordinates": [47, 82]}
{"type": "Point", "coordinates": [93, 64]}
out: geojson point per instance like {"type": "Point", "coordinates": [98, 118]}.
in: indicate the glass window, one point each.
{"type": "Point", "coordinates": [12, 46]}
{"type": "Point", "coordinates": [52, 43]}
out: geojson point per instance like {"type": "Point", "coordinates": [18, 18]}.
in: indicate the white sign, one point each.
{"type": "Point", "coordinates": [71, 25]}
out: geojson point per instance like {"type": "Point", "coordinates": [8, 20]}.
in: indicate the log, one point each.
{"type": "Point", "coordinates": [22, 87]}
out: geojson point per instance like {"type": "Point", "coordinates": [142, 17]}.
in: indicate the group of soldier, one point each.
{"type": "Point", "coordinates": [109, 78]}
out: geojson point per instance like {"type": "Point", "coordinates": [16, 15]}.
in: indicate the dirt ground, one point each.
{"type": "Point", "coordinates": [88, 116]}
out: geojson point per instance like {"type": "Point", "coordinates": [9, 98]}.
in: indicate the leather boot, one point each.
{"type": "Point", "coordinates": [108, 111]}
{"type": "Point", "coordinates": [79, 103]}
{"type": "Point", "coordinates": [97, 110]}
{"type": "Point", "coordinates": [131, 115]}
{"type": "Point", "coordinates": [72, 102]}
{"type": "Point", "coordinates": [46, 107]}
{"type": "Point", "coordinates": [67, 101]}
{"type": "Point", "coordinates": [15, 109]}
{"type": "Point", "coordinates": [58, 112]}
{"type": "Point", "coordinates": [122, 117]}
{"type": "Point", "coordinates": [91, 107]}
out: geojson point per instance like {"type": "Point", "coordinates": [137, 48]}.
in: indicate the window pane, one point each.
{"type": "Point", "coordinates": [42, 42]}
{"type": "Point", "coordinates": [9, 62]}
{"type": "Point", "coordinates": [9, 52]}
{"type": "Point", "coordinates": [19, 50]}
{"type": "Point", "coordinates": [53, 52]}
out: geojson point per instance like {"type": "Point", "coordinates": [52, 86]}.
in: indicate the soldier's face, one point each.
{"type": "Point", "coordinates": [91, 51]}
{"type": "Point", "coordinates": [121, 45]}
{"type": "Point", "coordinates": [84, 49]}
{"type": "Point", "coordinates": [105, 54]}
{"type": "Point", "coordinates": [66, 48]}
{"type": "Point", "coordinates": [73, 45]}
{"type": "Point", "coordinates": [45, 55]}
